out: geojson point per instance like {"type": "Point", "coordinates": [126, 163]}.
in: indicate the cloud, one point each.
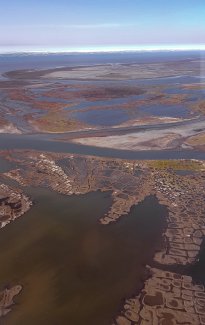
{"type": "Point", "coordinates": [69, 26]}
{"type": "Point", "coordinates": [90, 26]}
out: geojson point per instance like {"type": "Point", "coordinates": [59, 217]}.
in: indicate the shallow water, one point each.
{"type": "Point", "coordinates": [197, 270]}
{"type": "Point", "coordinates": [42, 143]}
{"type": "Point", "coordinates": [42, 61]}
{"type": "Point", "coordinates": [6, 165]}
{"type": "Point", "coordinates": [74, 270]}
{"type": "Point", "coordinates": [180, 90]}
{"type": "Point", "coordinates": [176, 111]}
{"type": "Point", "coordinates": [102, 117]}
{"type": "Point", "coordinates": [184, 172]}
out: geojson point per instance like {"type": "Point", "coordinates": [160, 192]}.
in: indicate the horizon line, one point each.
{"type": "Point", "coordinates": [101, 49]}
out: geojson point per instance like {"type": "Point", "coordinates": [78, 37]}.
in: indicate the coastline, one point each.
{"type": "Point", "coordinates": [136, 156]}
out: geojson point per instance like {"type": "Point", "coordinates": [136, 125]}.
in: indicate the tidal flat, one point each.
{"type": "Point", "coordinates": [87, 102]}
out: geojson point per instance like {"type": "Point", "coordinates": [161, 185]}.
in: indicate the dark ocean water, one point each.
{"type": "Point", "coordinates": [10, 62]}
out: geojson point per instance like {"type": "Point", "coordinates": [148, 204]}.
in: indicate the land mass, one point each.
{"type": "Point", "coordinates": [149, 106]}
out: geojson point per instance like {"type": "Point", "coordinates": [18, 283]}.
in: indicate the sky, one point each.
{"type": "Point", "coordinates": [82, 24]}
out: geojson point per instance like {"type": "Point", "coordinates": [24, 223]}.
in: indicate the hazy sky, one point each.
{"type": "Point", "coordinates": [80, 23]}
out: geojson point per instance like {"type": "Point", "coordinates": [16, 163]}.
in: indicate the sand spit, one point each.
{"type": "Point", "coordinates": [159, 139]}
{"type": "Point", "coordinates": [10, 129]}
